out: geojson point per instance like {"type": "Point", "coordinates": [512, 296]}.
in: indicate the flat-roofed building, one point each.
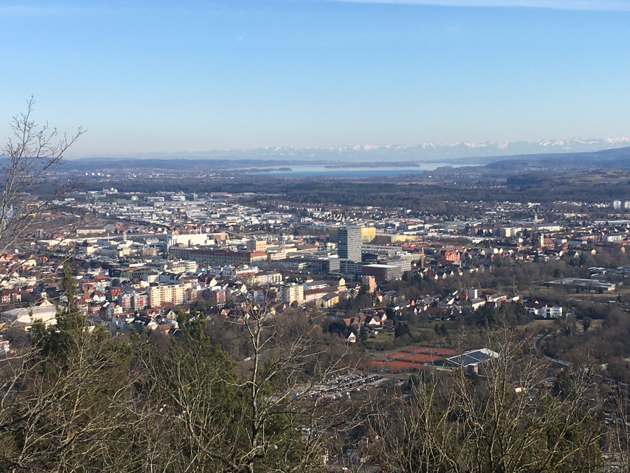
{"type": "Point", "coordinates": [382, 272]}
{"type": "Point", "coordinates": [47, 314]}
{"type": "Point", "coordinates": [257, 245]}
{"type": "Point", "coordinates": [293, 293]}
{"type": "Point", "coordinates": [172, 294]}
{"type": "Point", "coordinates": [368, 234]}
{"type": "Point", "coordinates": [219, 257]}
{"type": "Point", "coordinates": [349, 243]}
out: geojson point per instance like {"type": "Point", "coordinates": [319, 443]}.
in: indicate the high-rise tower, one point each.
{"type": "Point", "coordinates": [350, 243]}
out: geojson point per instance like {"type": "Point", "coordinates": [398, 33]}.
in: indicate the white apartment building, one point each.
{"type": "Point", "coordinates": [551, 312]}
{"type": "Point", "coordinates": [158, 295]}
{"type": "Point", "coordinates": [183, 267]}
{"type": "Point", "coordinates": [293, 293]}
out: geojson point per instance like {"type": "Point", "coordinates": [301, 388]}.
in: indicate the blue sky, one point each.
{"type": "Point", "coordinates": [146, 76]}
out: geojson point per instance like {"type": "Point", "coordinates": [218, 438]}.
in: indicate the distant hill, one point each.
{"type": "Point", "coordinates": [552, 162]}
{"type": "Point", "coordinates": [566, 162]}
{"type": "Point", "coordinates": [118, 164]}
{"type": "Point", "coordinates": [616, 158]}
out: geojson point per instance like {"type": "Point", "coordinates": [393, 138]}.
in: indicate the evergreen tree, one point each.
{"type": "Point", "coordinates": [73, 409]}
{"type": "Point", "coordinates": [401, 330]}
{"type": "Point", "coordinates": [363, 334]}
{"type": "Point", "coordinates": [443, 330]}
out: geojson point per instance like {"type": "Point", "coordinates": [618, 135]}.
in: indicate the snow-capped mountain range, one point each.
{"type": "Point", "coordinates": [473, 152]}
{"type": "Point", "coordinates": [464, 149]}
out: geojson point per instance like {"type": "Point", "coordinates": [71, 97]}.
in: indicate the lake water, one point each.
{"type": "Point", "coordinates": [321, 170]}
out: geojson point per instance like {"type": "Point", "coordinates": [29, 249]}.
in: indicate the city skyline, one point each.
{"type": "Point", "coordinates": [152, 77]}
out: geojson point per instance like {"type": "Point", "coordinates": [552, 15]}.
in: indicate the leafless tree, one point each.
{"type": "Point", "coordinates": [288, 368]}
{"type": "Point", "coordinates": [265, 414]}
{"type": "Point", "coordinates": [617, 446]}
{"type": "Point", "coordinates": [31, 154]}
{"type": "Point", "coordinates": [511, 418]}
{"type": "Point", "coordinates": [69, 412]}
